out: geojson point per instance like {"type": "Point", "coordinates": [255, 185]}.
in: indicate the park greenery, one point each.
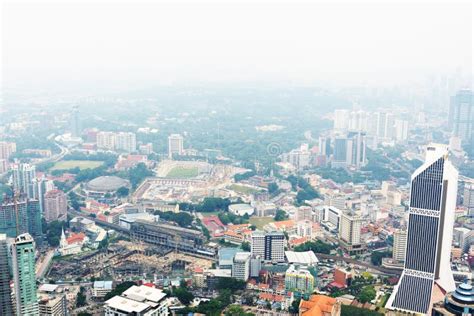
{"type": "Point", "coordinates": [317, 246]}
{"type": "Point", "coordinates": [349, 310]}
{"type": "Point", "coordinates": [183, 219]}
{"type": "Point", "coordinates": [280, 215]}
{"type": "Point", "coordinates": [377, 256]}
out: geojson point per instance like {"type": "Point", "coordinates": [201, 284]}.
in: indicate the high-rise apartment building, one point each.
{"type": "Point", "coordinates": [241, 266]}
{"type": "Point", "coordinates": [339, 158]}
{"type": "Point", "coordinates": [401, 130]}
{"type": "Point", "coordinates": [6, 306]}
{"type": "Point", "coordinates": [299, 279]}
{"type": "Point", "coordinates": [55, 206]}
{"type": "Point", "coordinates": [7, 149]}
{"type": "Point", "coordinates": [24, 176]}
{"type": "Point", "coordinates": [75, 122]}
{"type": "Point", "coordinates": [427, 267]}
{"type": "Point", "coordinates": [106, 140]}
{"type": "Point", "coordinates": [341, 119]}
{"type": "Point", "coordinates": [468, 197]}
{"type": "Point", "coordinates": [349, 150]}
{"type": "Point", "coordinates": [461, 117]}
{"type": "Point", "coordinates": [268, 246]}
{"type": "Point", "coordinates": [349, 232]}
{"type": "Point", "coordinates": [126, 141]}
{"type": "Point", "coordinates": [399, 245]}
{"type": "Point", "coordinates": [356, 150]}
{"type": "Point", "coordinates": [24, 277]}
{"type": "Point", "coordinates": [19, 216]}
{"type": "Point", "coordinates": [175, 145]}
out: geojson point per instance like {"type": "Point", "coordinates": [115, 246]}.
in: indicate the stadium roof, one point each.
{"type": "Point", "coordinates": [303, 258]}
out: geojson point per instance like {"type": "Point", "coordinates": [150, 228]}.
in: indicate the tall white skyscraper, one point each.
{"type": "Point", "coordinates": [341, 119]}
{"type": "Point", "coordinates": [427, 267]}
{"type": "Point", "coordinates": [175, 145]}
{"type": "Point", "coordinates": [23, 176]}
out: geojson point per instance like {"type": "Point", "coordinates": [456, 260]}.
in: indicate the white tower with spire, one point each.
{"type": "Point", "coordinates": [63, 241]}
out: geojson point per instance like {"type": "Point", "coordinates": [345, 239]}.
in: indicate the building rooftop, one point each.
{"type": "Point", "coordinates": [144, 293]}
{"type": "Point", "coordinates": [126, 305]}
{"type": "Point", "coordinates": [242, 256]}
{"type": "Point", "coordinates": [106, 285]}
{"type": "Point", "coordinates": [107, 183]}
{"type": "Point", "coordinates": [304, 258]}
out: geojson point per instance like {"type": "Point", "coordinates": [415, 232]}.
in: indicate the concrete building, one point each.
{"type": "Point", "coordinates": [106, 140]}
{"type": "Point", "coordinates": [6, 306]}
{"type": "Point", "coordinates": [241, 209]}
{"type": "Point", "coordinates": [101, 288]}
{"type": "Point", "coordinates": [139, 301]}
{"type": "Point", "coordinates": [126, 141]}
{"type": "Point", "coordinates": [175, 145]}
{"type": "Point", "coordinates": [304, 213]}
{"type": "Point", "coordinates": [23, 261]}
{"type": "Point", "coordinates": [349, 233]}
{"type": "Point", "coordinates": [241, 266]}
{"type": "Point", "coordinates": [427, 271]}
{"type": "Point", "coordinates": [464, 237]}
{"type": "Point", "coordinates": [7, 149]}
{"type": "Point", "coordinates": [401, 130]}
{"type": "Point", "coordinates": [269, 246]}
{"type": "Point", "coordinates": [146, 149]}
{"type": "Point", "coordinates": [468, 197]}
{"type": "Point", "coordinates": [399, 245]}
{"type": "Point", "coordinates": [52, 304]}
{"type": "Point", "coordinates": [341, 119]}
{"type": "Point", "coordinates": [55, 206]}
{"type": "Point", "coordinates": [75, 122]}
{"type": "Point", "coordinates": [461, 117]}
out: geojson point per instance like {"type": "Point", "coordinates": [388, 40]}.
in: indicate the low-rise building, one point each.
{"type": "Point", "coordinates": [138, 300]}
{"type": "Point", "coordinates": [101, 288]}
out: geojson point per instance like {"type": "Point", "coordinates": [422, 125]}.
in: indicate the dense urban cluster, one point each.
{"type": "Point", "coordinates": [369, 216]}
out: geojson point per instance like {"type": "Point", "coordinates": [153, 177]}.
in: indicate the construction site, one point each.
{"type": "Point", "coordinates": [126, 260]}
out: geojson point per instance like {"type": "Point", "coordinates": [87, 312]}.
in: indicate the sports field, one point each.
{"type": "Point", "coordinates": [181, 172]}
{"type": "Point", "coordinates": [242, 189]}
{"type": "Point", "coordinates": [71, 164]}
{"type": "Point", "coordinates": [260, 221]}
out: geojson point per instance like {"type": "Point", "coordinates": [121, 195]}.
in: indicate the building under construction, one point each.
{"type": "Point", "coordinates": [169, 236]}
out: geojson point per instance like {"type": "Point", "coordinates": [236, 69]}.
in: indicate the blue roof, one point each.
{"type": "Point", "coordinates": [228, 253]}
{"type": "Point", "coordinates": [107, 285]}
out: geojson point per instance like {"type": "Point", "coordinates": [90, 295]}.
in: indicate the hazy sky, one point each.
{"type": "Point", "coordinates": [73, 43]}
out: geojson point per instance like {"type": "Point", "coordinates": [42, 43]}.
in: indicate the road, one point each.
{"type": "Point", "coordinates": [43, 264]}
{"type": "Point", "coordinates": [360, 263]}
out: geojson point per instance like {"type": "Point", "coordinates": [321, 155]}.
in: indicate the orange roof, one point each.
{"type": "Point", "coordinates": [317, 305]}
{"type": "Point", "coordinates": [232, 233]}
{"type": "Point", "coordinates": [237, 227]}
{"type": "Point", "coordinates": [271, 297]}
{"type": "Point", "coordinates": [76, 238]}
{"type": "Point", "coordinates": [284, 224]}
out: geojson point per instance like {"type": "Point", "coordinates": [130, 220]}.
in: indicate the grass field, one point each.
{"type": "Point", "coordinates": [260, 221]}
{"type": "Point", "coordinates": [242, 189]}
{"type": "Point", "coordinates": [180, 172]}
{"type": "Point", "coordinates": [71, 164]}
